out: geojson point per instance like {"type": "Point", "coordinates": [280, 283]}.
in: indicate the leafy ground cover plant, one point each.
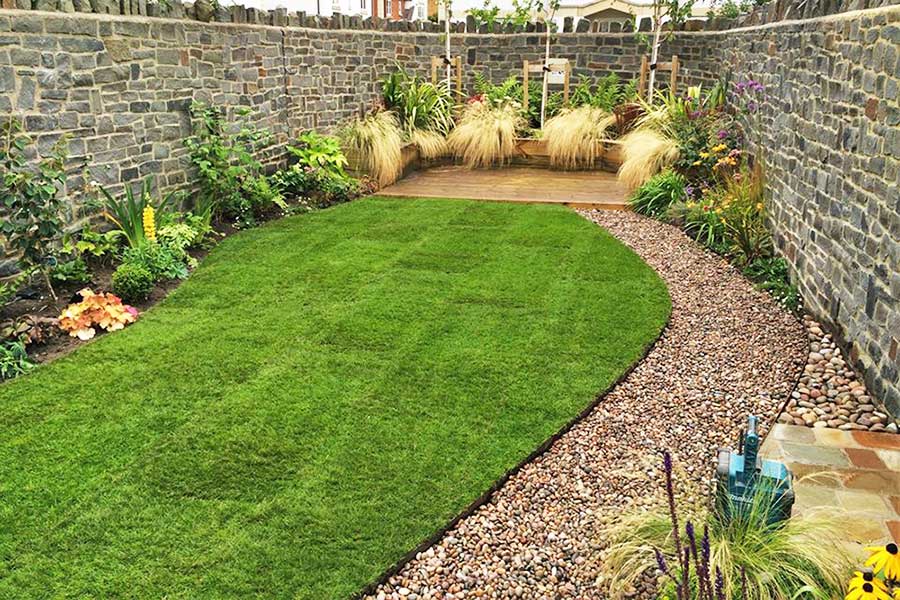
{"type": "Point", "coordinates": [104, 311]}
{"type": "Point", "coordinates": [74, 270]}
{"type": "Point", "coordinates": [658, 194]}
{"type": "Point", "coordinates": [31, 200]}
{"type": "Point", "coordinates": [705, 555]}
{"type": "Point", "coordinates": [772, 275]}
{"type": "Point", "coordinates": [14, 359]}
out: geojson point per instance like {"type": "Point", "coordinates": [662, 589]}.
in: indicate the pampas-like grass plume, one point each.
{"type": "Point", "coordinates": [575, 137]}
{"type": "Point", "coordinates": [430, 143]}
{"type": "Point", "coordinates": [378, 140]}
{"type": "Point", "coordinates": [644, 154]}
{"type": "Point", "coordinates": [486, 135]}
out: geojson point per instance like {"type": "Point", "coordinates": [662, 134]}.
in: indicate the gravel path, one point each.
{"type": "Point", "coordinates": [728, 351]}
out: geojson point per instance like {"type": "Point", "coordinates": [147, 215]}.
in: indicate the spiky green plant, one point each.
{"type": "Point", "coordinates": [377, 140]}
{"type": "Point", "coordinates": [127, 211]}
{"type": "Point", "coordinates": [659, 193]}
{"type": "Point", "coordinates": [575, 136]}
{"type": "Point", "coordinates": [424, 110]}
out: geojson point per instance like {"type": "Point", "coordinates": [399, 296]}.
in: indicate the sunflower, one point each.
{"type": "Point", "coordinates": [867, 591]}
{"type": "Point", "coordinates": [885, 559]}
{"type": "Point", "coordinates": [860, 578]}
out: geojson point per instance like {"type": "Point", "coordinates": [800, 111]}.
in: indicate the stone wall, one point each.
{"type": "Point", "coordinates": [120, 87]}
{"type": "Point", "coordinates": [831, 145]}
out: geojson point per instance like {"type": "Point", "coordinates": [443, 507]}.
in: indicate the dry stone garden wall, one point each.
{"type": "Point", "coordinates": [830, 140]}
{"type": "Point", "coordinates": [120, 87]}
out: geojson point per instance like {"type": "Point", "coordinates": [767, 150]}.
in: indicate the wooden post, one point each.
{"type": "Point", "coordinates": [458, 61]}
{"type": "Point", "coordinates": [568, 73]}
{"type": "Point", "coordinates": [434, 68]}
{"type": "Point", "coordinates": [525, 85]}
{"type": "Point", "coordinates": [674, 79]}
{"type": "Point", "coordinates": [642, 81]}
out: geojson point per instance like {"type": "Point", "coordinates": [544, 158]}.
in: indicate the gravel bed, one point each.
{"type": "Point", "coordinates": [728, 351]}
{"type": "Point", "coordinates": [830, 394]}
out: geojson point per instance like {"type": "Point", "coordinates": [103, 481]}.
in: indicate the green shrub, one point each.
{"type": "Point", "coordinates": [231, 179]}
{"type": "Point", "coordinates": [319, 152]}
{"type": "Point", "coordinates": [161, 260]}
{"type": "Point", "coordinates": [13, 359]}
{"type": "Point", "coordinates": [658, 194]}
{"type": "Point", "coordinates": [70, 271]}
{"type": "Point", "coordinates": [772, 275]}
{"type": "Point", "coordinates": [30, 199]}
{"type": "Point", "coordinates": [132, 282]}
{"type": "Point", "coordinates": [319, 186]}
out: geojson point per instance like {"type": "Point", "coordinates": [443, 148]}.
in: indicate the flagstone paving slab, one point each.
{"type": "Point", "coordinates": [856, 471]}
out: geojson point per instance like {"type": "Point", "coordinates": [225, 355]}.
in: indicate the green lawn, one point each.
{"type": "Point", "coordinates": [322, 394]}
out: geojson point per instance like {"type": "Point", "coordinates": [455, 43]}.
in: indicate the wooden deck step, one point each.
{"type": "Point", "coordinates": [580, 189]}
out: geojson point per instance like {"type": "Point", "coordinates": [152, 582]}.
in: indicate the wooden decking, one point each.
{"type": "Point", "coordinates": [581, 189]}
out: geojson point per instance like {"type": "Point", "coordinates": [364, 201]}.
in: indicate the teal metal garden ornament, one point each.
{"type": "Point", "coordinates": [742, 476]}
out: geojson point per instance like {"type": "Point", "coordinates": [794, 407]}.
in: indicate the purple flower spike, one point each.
{"type": "Point", "coordinates": [661, 561]}
{"type": "Point", "coordinates": [722, 134]}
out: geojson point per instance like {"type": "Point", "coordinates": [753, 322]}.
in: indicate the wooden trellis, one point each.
{"type": "Point", "coordinates": [559, 72]}
{"type": "Point", "coordinates": [672, 66]}
{"type": "Point", "coordinates": [437, 63]}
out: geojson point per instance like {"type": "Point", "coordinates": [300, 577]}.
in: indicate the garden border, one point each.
{"type": "Point", "coordinates": [495, 487]}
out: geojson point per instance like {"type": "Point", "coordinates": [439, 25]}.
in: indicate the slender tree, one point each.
{"type": "Point", "coordinates": [667, 15]}
{"type": "Point", "coordinates": [547, 9]}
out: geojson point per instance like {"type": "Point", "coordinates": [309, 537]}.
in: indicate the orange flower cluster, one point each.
{"type": "Point", "coordinates": [96, 310]}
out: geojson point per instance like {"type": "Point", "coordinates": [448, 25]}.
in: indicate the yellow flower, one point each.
{"type": "Point", "coordinates": [759, 206]}
{"type": "Point", "coordinates": [704, 155]}
{"type": "Point", "coordinates": [859, 579]}
{"type": "Point", "coordinates": [720, 147]}
{"type": "Point", "coordinates": [885, 559]}
{"type": "Point", "coordinates": [695, 163]}
{"type": "Point", "coordinates": [869, 590]}
{"type": "Point", "coordinates": [149, 219]}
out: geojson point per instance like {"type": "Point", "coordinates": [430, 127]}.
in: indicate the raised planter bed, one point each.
{"type": "Point", "coordinates": [530, 153]}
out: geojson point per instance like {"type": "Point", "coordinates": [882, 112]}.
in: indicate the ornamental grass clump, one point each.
{"type": "Point", "coordinates": [486, 133]}
{"type": "Point", "coordinates": [575, 137]}
{"type": "Point", "coordinates": [713, 557]}
{"type": "Point", "coordinates": [645, 153]}
{"type": "Point", "coordinates": [377, 139]}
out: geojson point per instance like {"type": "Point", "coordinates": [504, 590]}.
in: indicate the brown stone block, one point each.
{"type": "Point", "coordinates": [883, 482]}
{"type": "Point", "coordinates": [877, 440]}
{"type": "Point", "coordinates": [865, 459]}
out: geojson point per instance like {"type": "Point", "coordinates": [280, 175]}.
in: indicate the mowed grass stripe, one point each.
{"type": "Point", "coordinates": [322, 394]}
